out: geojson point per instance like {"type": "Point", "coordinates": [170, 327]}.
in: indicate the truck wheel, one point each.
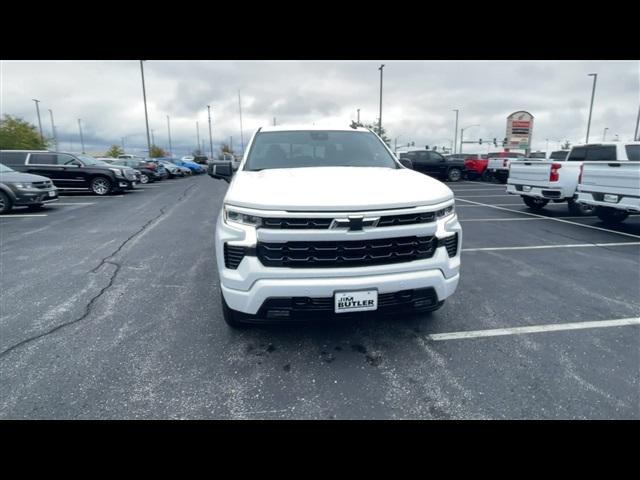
{"type": "Point", "coordinates": [144, 178]}
{"type": "Point", "coordinates": [454, 175]}
{"type": "Point", "coordinates": [486, 176]}
{"type": "Point", "coordinates": [5, 203]}
{"type": "Point", "coordinates": [534, 203]}
{"type": "Point", "coordinates": [611, 215]}
{"type": "Point", "coordinates": [579, 209]}
{"type": "Point", "coordinates": [100, 185]}
{"type": "Point", "coordinates": [231, 317]}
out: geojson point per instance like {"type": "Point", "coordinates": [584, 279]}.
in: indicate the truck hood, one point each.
{"type": "Point", "coordinates": [335, 189]}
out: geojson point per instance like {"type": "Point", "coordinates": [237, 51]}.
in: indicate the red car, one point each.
{"type": "Point", "coordinates": [475, 165]}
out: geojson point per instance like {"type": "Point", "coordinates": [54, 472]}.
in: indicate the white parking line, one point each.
{"type": "Point", "coordinates": [25, 215]}
{"type": "Point", "coordinates": [500, 204]}
{"type": "Point", "coordinates": [552, 218]}
{"type": "Point", "coordinates": [535, 329]}
{"type": "Point", "coordinates": [74, 203]}
{"type": "Point", "coordinates": [478, 190]}
{"type": "Point", "coordinates": [92, 196]}
{"type": "Point", "coordinates": [539, 247]}
{"type": "Point", "coordinates": [481, 196]}
{"type": "Point", "coordinates": [515, 218]}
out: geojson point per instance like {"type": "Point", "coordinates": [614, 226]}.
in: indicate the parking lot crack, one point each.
{"type": "Point", "coordinates": [106, 260]}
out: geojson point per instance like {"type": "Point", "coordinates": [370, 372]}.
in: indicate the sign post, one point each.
{"type": "Point", "coordinates": [519, 131]}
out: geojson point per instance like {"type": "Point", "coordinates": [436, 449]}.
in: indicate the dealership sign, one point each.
{"type": "Point", "coordinates": [519, 130]}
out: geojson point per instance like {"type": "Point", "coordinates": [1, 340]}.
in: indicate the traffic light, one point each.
{"type": "Point", "coordinates": [495, 142]}
{"type": "Point", "coordinates": [480, 141]}
{"type": "Point", "coordinates": [504, 142]}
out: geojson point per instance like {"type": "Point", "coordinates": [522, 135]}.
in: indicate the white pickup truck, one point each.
{"type": "Point", "coordinates": [613, 188]}
{"type": "Point", "coordinates": [498, 166]}
{"type": "Point", "coordinates": [540, 181]}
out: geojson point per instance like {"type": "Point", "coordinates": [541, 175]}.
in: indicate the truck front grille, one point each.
{"type": "Point", "coordinates": [450, 243]}
{"type": "Point", "coordinates": [294, 223]}
{"type": "Point", "coordinates": [339, 254]}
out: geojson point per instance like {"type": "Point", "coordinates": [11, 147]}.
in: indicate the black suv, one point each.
{"type": "Point", "coordinates": [435, 164]}
{"type": "Point", "coordinates": [71, 170]}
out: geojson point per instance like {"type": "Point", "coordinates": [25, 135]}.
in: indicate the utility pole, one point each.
{"type": "Point", "coordinates": [274, 121]}
{"type": "Point", "coordinates": [198, 135]}
{"type": "Point", "coordinates": [358, 116]}
{"type": "Point", "coordinates": [241, 136]}
{"type": "Point", "coordinates": [231, 143]}
{"type": "Point", "coordinates": [123, 144]}
{"type": "Point", "coordinates": [380, 114]}
{"type": "Point", "coordinates": [455, 136]}
{"type": "Point", "coordinates": [547, 149]}
{"type": "Point", "coordinates": [53, 130]}
{"type": "Point", "coordinates": [210, 137]}
{"type": "Point", "coordinates": [39, 122]}
{"type": "Point", "coordinates": [593, 92]}
{"type": "Point", "coordinates": [169, 132]}
{"type": "Point", "coordinates": [81, 138]}
{"type": "Point", "coordinates": [146, 115]}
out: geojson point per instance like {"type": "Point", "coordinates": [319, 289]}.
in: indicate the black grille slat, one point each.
{"type": "Point", "coordinates": [450, 243]}
{"type": "Point", "coordinates": [294, 223]}
{"type": "Point", "coordinates": [233, 255]}
{"type": "Point", "coordinates": [312, 254]}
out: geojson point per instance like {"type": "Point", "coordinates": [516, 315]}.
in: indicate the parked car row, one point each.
{"type": "Point", "coordinates": [32, 178]}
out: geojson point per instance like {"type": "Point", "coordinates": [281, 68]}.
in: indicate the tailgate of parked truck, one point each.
{"type": "Point", "coordinates": [534, 173]}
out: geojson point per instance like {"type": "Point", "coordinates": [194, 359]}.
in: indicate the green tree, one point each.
{"type": "Point", "coordinates": [566, 145]}
{"type": "Point", "coordinates": [17, 134]}
{"type": "Point", "coordinates": [381, 133]}
{"type": "Point", "coordinates": [156, 152]}
{"type": "Point", "coordinates": [114, 151]}
{"type": "Point", "coordinates": [225, 149]}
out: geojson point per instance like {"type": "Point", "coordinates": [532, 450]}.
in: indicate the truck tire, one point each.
{"type": "Point", "coordinates": [454, 175]}
{"type": "Point", "coordinates": [101, 185]}
{"type": "Point", "coordinates": [486, 176]}
{"type": "Point", "coordinates": [534, 203]}
{"type": "Point", "coordinates": [610, 215]}
{"type": "Point", "coordinates": [5, 203]}
{"type": "Point", "coordinates": [231, 317]}
{"type": "Point", "coordinates": [579, 209]}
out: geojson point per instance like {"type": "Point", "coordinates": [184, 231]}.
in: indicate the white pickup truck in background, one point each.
{"type": "Point", "coordinates": [540, 181]}
{"type": "Point", "coordinates": [498, 166]}
{"type": "Point", "coordinates": [613, 188]}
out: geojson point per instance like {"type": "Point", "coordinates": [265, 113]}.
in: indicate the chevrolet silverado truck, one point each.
{"type": "Point", "coordinates": [321, 222]}
{"type": "Point", "coordinates": [612, 188]}
{"type": "Point", "coordinates": [540, 181]}
{"type": "Point", "coordinates": [498, 165]}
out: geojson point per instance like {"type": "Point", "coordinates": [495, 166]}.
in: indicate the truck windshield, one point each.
{"type": "Point", "coordinates": [314, 148]}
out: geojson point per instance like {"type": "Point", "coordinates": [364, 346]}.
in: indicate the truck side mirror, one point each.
{"type": "Point", "coordinates": [221, 170]}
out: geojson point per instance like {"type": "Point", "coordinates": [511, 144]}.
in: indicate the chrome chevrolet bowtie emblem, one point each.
{"type": "Point", "coordinates": [354, 222]}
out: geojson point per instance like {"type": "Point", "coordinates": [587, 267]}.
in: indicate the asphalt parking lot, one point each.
{"type": "Point", "coordinates": [110, 309]}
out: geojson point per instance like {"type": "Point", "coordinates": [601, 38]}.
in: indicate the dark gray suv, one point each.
{"type": "Point", "coordinates": [24, 190]}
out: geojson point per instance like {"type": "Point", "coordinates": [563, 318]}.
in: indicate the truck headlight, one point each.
{"type": "Point", "coordinates": [443, 212]}
{"type": "Point", "coordinates": [234, 216]}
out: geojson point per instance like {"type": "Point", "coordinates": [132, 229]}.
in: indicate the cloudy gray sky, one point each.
{"type": "Point", "coordinates": [417, 106]}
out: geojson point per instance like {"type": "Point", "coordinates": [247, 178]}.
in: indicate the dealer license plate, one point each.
{"type": "Point", "coordinates": [356, 301]}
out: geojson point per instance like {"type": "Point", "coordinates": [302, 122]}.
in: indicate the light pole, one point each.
{"type": "Point", "coordinates": [240, 109]}
{"type": "Point", "coordinates": [39, 122]}
{"type": "Point", "coordinates": [53, 129]}
{"type": "Point", "coordinates": [153, 140]}
{"type": "Point", "coordinates": [380, 114]}
{"type": "Point", "coordinates": [395, 148]}
{"type": "Point", "coordinates": [462, 135]}
{"type": "Point", "coordinates": [635, 135]}
{"type": "Point", "coordinates": [169, 132]}
{"type": "Point", "coordinates": [198, 135]}
{"type": "Point", "coordinates": [547, 149]}
{"type": "Point", "coordinates": [593, 92]}
{"type": "Point", "coordinates": [359, 117]}
{"type": "Point", "coordinates": [604, 134]}
{"type": "Point", "coordinates": [123, 144]}
{"type": "Point", "coordinates": [210, 137]}
{"type": "Point", "coordinates": [81, 138]}
{"type": "Point", "coordinates": [455, 136]}
{"type": "Point", "coordinates": [146, 115]}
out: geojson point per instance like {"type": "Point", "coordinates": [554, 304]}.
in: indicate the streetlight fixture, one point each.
{"type": "Point", "coordinates": [39, 122]}
{"type": "Point", "coordinates": [146, 115]}
{"type": "Point", "coordinates": [462, 135]}
{"type": "Point", "coordinates": [593, 92]}
{"type": "Point", "coordinates": [455, 137]}
{"type": "Point", "coordinates": [380, 114]}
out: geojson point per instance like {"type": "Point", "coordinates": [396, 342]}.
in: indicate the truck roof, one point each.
{"type": "Point", "coordinates": [298, 127]}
